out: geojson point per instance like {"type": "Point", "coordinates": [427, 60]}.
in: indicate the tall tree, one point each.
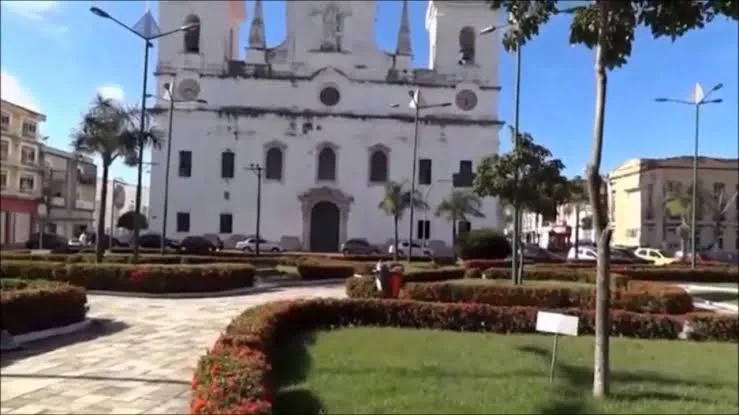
{"type": "Point", "coordinates": [126, 221]}
{"type": "Point", "coordinates": [540, 187]}
{"type": "Point", "coordinates": [608, 27]}
{"type": "Point", "coordinates": [460, 205]}
{"type": "Point", "coordinates": [110, 131]}
{"type": "Point", "coordinates": [396, 200]}
{"type": "Point", "coordinates": [718, 205]}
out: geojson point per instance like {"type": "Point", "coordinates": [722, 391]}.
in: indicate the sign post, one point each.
{"type": "Point", "coordinates": [556, 324]}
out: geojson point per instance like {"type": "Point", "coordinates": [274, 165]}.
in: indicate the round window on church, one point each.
{"type": "Point", "coordinates": [330, 96]}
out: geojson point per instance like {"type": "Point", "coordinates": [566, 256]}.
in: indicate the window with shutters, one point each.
{"type": "Point", "coordinates": [226, 223]}
{"type": "Point", "coordinates": [228, 159]}
{"type": "Point", "coordinates": [183, 222]}
{"type": "Point", "coordinates": [423, 229]}
{"type": "Point", "coordinates": [424, 171]}
{"type": "Point", "coordinates": [185, 164]}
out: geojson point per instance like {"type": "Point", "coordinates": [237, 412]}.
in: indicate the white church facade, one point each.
{"type": "Point", "coordinates": [316, 113]}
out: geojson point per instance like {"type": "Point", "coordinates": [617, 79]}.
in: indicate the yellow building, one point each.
{"type": "Point", "coordinates": [639, 188]}
{"type": "Point", "coordinates": [20, 171]}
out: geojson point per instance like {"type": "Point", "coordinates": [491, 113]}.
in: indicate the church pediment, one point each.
{"type": "Point", "coordinates": [329, 72]}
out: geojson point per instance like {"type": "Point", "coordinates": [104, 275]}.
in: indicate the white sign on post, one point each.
{"type": "Point", "coordinates": [557, 324]}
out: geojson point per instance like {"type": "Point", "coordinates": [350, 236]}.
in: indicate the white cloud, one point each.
{"type": "Point", "coordinates": [114, 92]}
{"type": "Point", "coordinates": [14, 92]}
{"type": "Point", "coordinates": [38, 13]}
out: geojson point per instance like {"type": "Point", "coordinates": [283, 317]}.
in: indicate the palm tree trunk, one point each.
{"type": "Point", "coordinates": [395, 239]}
{"type": "Point", "coordinates": [454, 238]}
{"type": "Point", "coordinates": [601, 364]}
{"type": "Point", "coordinates": [577, 229]}
{"type": "Point", "coordinates": [99, 239]}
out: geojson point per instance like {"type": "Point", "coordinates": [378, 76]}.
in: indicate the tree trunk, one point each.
{"type": "Point", "coordinates": [577, 229]}
{"type": "Point", "coordinates": [454, 238]}
{"type": "Point", "coordinates": [395, 239]}
{"type": "Point", "coordinates": [99, 239]}
{"type": "Point", "coordinates": [601, 364]}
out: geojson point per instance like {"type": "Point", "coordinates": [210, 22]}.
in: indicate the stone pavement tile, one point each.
{"type": "Point", "coordinates": [15, 387]}
{"type": "Point", "coordinates": [30, 409]}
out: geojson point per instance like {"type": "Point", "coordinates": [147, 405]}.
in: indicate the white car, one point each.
{"type": "Point", "coordinates": [418, 250]}
{"type": "Point", "coordinates": [654, 255]}
{"type": "Point", "coordinates": [250, 245]}
{"type": "Point", "coordinates": [584, 253]}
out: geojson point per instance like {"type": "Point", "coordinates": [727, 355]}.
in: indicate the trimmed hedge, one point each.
{"type": "Point", "coordinates": [136, 278]}
{"type": "Point", "coordinates": [650, 299]}
{"type": "Point", "coordinates": [235, 377]}
{"type": "Point", "coordinates": [29, 306]}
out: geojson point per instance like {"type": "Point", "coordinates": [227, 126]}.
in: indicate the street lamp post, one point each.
{"type": "Point", "coordinates": [172, 101]}
{"type": "Point", "coordinates": [257, 169]}
{"type": "Point", "coordinates": [699, 99]}
{"type": "Point", "coordinates": [417, 104]}
{"type": "Point", "coordinates": [148, 32]}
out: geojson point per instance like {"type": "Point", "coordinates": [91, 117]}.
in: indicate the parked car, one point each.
{"type": "Point", "coordinates": [154, 240]}
{"type": "Point", "coordinates": [584, 253]}
{"type": "Point", "coordinates": [418, 250]}
{"type": "Point", "coordinates": [250, 245]}
{"type": "Point", "coordinates": [655, 256]}
{"type": "Point", "coordinates": [197, 245]}
{"type": "Point", "coordinates": [50, 241]}
{"type": "Point", "coordinates": [358, 246]}
{"type": "Point", "coordinates": [214, 239]}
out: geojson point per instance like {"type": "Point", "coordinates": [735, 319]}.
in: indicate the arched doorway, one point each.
{"type": "Point", "coordinates": [324, 227]}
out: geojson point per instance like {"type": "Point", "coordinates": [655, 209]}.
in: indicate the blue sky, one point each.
{"type": "Point", "coordinates": [56, 55]}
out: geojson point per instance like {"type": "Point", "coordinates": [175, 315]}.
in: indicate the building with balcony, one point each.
{"type": "Point", "coordinates": [69, 191]}
{"type": "Point", "coordinates": [20, 172]}
{"type": "Point", "coordinates": [640, 188]}
{"type": "Point", "coordinates": [121, 199]}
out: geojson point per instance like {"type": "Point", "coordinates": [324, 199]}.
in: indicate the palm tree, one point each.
{"type": "Point", "coordinates": [110, 131]}
{"type": "Point", "coordinates": [679, 202]}
{"type": "Point", "coordinates": [459, 206]}
{"type": "Point", "coordinates": [394, 203]}
{"type": "Point", "coordinates": [718, 205]}
{"type": "Point", "coordinates": [577, 198]}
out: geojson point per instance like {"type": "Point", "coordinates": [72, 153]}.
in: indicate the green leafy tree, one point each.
{"type": "Point", "coordinates": [718, 205]}
{"type": "Point", "coordinates": [109, 131]}
{"type": "Point", "coordinates": [126, 221]}
{"type": "Point", "coordinates": [460, 205]}
{"type": "Point", "coordinates": [395, 201]}
{"type": "Point", "coordinates": [608, 27]}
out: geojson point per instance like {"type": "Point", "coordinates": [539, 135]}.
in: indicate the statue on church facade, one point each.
{"type": "Point", "coordinates": [333, 22]}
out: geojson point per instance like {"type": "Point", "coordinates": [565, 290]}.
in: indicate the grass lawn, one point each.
{"type": "Point", "coordinates": [540, 283]}
{"type": "Point", "coordinates": [402, 371]}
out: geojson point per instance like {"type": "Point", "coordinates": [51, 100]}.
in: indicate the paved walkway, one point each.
{"type": "Point", "coordinates": [138, 359]}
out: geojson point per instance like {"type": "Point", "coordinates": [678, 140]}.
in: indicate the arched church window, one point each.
{"type": "Point", "coordinates": [327, 164]}
{"type": "Point", "coordinates": [467, 45]}
{"type": "Point", "coordinates": [273, 164]}
{"type": "Point", "coordinates": [192, 36]}
{"type": "Point", "coordinates": [378, 167]}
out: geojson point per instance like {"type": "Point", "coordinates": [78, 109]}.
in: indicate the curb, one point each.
{"type": "Point", "coordinates": [215, 294]}
{"type": "Point", "coordinates": [53, 332]}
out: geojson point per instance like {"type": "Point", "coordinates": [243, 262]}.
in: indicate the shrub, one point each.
{"type": "Point", "coordinates": [315, 269]}
{"type": "Point", "coordinates": [362, 287]}
{"type": "Point", "coordinates": [483, 244]}
{"type": "Point", "coordinates": [137, 278]}
{"type": "Point", "coordinates": [714, 327]}
{"type": "Point", "coordinates": [675, 274]}
{"type": "Point", "coordinates": [431, 275]}
{"type": "Point", "coordinates": [473, 273]}
{"type": "Point", "coordinates": [665, 300]}
{"type": "Point", "coordinates": [34, 305]}
{"type": "Point", "coordinates": [235, 376]}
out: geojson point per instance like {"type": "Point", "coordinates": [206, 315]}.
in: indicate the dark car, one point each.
{"type": "Point", "coordinates": [358, 246]}
{"type": "Point", "coordinates": [50, 241]}
{"type": "Point", "coordinates": [214, 239]}
{"type": "Point", "coordinates": [154, 240]}
{"type": "Point", "coordinates": [197, 245]}
{"type": "Point", "coordinates": [726, 257]}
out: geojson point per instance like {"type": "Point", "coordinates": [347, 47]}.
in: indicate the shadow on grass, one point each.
{"type": "Point", "coordinates": [571, 397]}
{"type": "Point", "coordinates": [290, 365]}
{"type": "Point", "coordinates": [98, 328]}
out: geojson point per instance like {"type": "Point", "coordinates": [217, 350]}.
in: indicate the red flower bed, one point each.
{"type": "Point", "coordinates": [234, 377]}
{"type": "Point", "coordinates": [646, 299]}
{"type": "Point", "coordinates": [136, 278]}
